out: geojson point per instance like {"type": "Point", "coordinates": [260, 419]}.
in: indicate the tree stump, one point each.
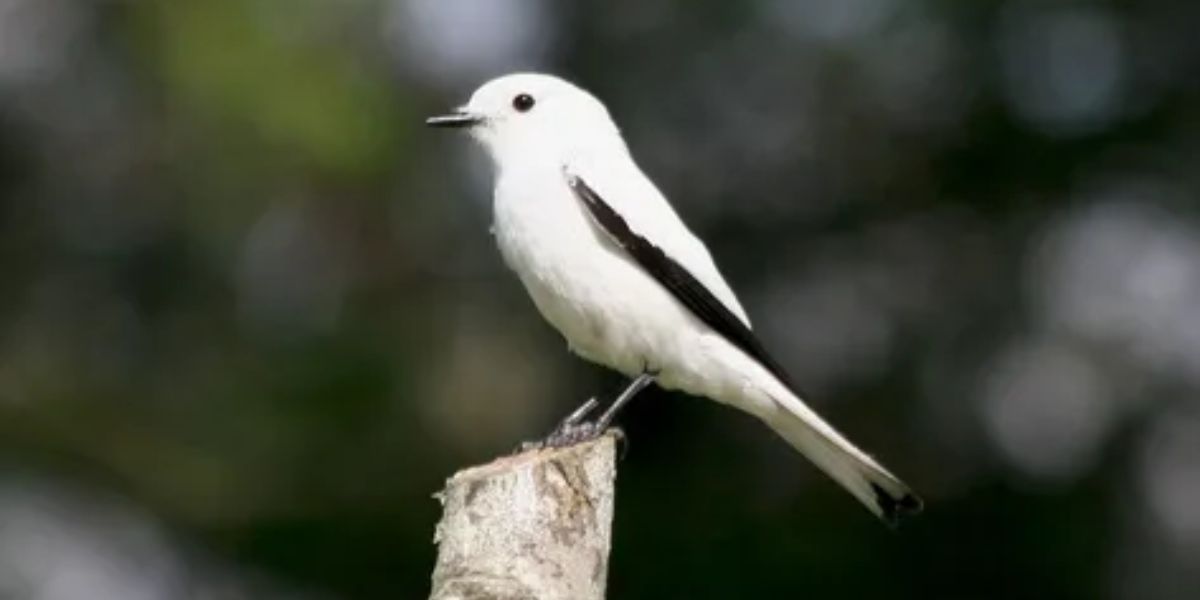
{"type": "Point", "coordinates": [536, 525]}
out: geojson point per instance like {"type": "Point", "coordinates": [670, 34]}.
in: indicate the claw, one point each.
{"type": "Point", "coordinates": [571, 435]}
{"type": "Point", "coordinates": [574, 429]}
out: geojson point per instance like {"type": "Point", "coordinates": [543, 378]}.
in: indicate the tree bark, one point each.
{"type": "Point", "coordinates": [536, 525]}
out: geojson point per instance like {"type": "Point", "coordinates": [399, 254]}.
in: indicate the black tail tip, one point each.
{"type": "Point", "coordinates": [893, 509]}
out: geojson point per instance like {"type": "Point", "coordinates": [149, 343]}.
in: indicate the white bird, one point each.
{"type": "Point", "coordinates": [614, 269]}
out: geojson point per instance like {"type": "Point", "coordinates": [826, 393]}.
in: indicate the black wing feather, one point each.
{"type": "Point", "coordinates": [677, 279]}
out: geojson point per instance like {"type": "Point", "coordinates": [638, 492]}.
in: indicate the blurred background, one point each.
{"type": "Point", "coordinates": [251, 315]}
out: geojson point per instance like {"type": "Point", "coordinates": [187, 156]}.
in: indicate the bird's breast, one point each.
{"type": "Point", "coordinates": [573, 273]}
{"type": "Point", "coordinates": [540, 227]}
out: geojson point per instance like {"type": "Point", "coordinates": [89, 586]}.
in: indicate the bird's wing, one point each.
{"type": "Point", "coordinates": [677, 279]}
{"type": "Point", "coordinates": [635, 197]}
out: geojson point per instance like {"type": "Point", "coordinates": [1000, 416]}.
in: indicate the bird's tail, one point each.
{"type": "Point", "coordinates": [885, 495]}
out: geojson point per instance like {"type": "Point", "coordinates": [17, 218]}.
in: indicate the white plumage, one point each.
{"type": "Point", "coordinates": [541, 130]}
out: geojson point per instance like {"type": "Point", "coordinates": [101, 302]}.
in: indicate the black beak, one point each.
{"type": "Point", "coordinates": [457, 120]}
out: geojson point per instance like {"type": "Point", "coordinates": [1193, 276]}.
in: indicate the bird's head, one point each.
{"type": "Point", "coordinates": [533, 116]}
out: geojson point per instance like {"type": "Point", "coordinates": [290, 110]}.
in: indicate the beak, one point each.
{"type": "Point", "coordinates": [459, 119]}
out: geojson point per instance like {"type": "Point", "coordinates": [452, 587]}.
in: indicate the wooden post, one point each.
{"type": "Point", "coordinates": [536, 525]}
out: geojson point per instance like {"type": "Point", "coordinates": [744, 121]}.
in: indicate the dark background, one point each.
{"type": "Point", "coordinates": [251, 315]}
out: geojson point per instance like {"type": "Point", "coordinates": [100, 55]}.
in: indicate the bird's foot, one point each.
{"type": "Point", "coordinates": [575, 430]}
{"type": "Point", "coordinates": [577, 433]}
{"type": "Point", "coordinates": [572, 421]}
{"type": "Point", "coordinates": [569, 434]}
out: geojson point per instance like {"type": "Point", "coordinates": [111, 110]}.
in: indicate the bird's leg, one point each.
{"type": "Point", "coordinates": [635, 386]}
{"type": "Point", "coordinates": [584, 410]}
{"type": "Point", "coordinates": [573, 430]}
{"type": "Point", "coordinates": [565, 425]}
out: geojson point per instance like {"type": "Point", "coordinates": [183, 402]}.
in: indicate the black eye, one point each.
{"type": "Point", "coordinates": [523, 102]}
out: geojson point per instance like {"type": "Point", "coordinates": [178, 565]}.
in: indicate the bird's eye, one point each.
{"type": "Point", "coordinates": [523, 102]}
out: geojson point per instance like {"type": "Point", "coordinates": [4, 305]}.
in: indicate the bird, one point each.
{"type": "Point", "coordinates": [610, 264]}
